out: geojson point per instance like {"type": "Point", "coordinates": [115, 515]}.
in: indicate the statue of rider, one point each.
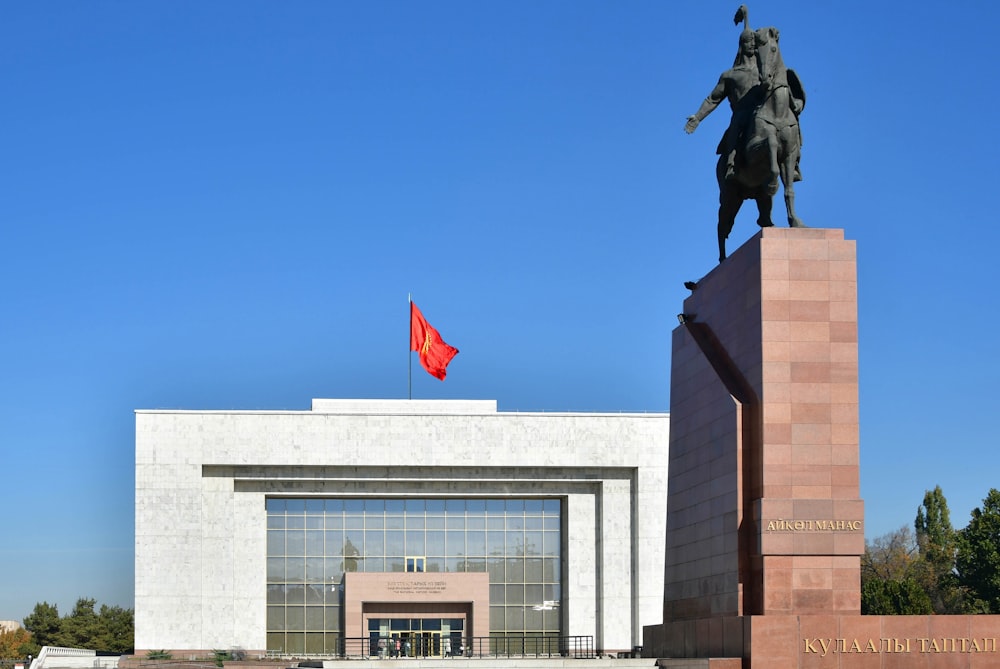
{"type": "Point", "coordinates": [734, 85]}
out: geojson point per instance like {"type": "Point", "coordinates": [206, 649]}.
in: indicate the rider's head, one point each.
{"type": "Point", "coordinates": [748, 48]}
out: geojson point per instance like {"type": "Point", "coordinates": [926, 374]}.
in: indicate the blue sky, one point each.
{"type": "Point", "coordinates": [223, 205]}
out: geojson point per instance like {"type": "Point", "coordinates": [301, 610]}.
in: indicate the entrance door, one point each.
{"type": "Point", "coordinates": [424, 644]}
{"type": "Point", "coordinates": [417, 637]}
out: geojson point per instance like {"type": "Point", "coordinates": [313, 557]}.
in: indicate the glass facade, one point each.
{"type": "Point", "coordinates": [312, 542]}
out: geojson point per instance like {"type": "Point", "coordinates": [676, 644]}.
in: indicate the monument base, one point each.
{"type": "Point", "coordinates": [827, 641]}
{"type": "Point", "coordinates": [765, 525]}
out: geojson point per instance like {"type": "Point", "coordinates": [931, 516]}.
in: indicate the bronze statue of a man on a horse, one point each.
{"type": "Point", "coordinates": [763, 141]}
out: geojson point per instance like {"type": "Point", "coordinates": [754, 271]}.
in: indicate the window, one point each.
{"type": "Point", "coordinates": [310, 546]}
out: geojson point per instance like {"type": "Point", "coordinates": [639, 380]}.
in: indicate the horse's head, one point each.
{"type": "Point", "coordinates": [769, 61]}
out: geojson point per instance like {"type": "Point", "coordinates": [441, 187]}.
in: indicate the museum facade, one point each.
{"type": "Point", "coordinates": [428, 523]}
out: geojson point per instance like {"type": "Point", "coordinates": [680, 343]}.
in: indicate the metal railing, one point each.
{"type": "Point", "coordinates": [420, 646]}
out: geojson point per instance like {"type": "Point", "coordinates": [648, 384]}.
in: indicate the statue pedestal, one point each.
{"type": "Point", "coordinates": [765, 525]}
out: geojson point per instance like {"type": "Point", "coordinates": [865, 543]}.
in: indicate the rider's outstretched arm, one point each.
{"type": "Point", "coordinates": [713, 100]}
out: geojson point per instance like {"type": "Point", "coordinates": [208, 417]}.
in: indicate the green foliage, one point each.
{"type": "Point", "coordinates": [44, 624]}
{"type": "Point", "coordinates": [954, 572]}
{"type": "Point", "coordinates": [978, 561]}
{"type": "Point", "coordinates": [935, 535]}
{"type": "Point", "coordinates": [81, 628]}
{"type": "Point", "coordinates": [159, 655]}
{"type": "Point", "coordinates": [888, 576]}
{"type": "Point", "coordinates": [221, 656]}
{"type": "Point", "coordinates": [884, 598]}
{"type": "Point", "coordinates": [937, 541]}
{"type": "Point", "coordinates": [111, 629]}
{"type": "Point", "coordinates": [116, 630]}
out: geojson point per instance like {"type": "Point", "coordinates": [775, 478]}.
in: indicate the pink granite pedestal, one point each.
{"type": "Point", "coordinates": [765, 525]}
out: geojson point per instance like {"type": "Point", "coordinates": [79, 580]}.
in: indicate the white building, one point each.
{"type": "Point", "coordinates": [433, 521]}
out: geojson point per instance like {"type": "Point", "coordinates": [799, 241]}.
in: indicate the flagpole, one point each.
{"type": "Point", "coordinates": [409, 354]}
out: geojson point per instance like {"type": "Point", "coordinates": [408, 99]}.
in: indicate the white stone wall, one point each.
{"type": "Point", "coordinates": [202, 478]}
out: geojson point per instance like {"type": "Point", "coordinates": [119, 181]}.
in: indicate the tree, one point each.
{"type": "Point", "coordinates": [888, 576]}
{"type": "Point", "coordinates": [890, 557]}
{"type": "Point", "coordinates": [978, 561]}
{"type": "Point", "coordinates": [15, 644]}
{"type": "Point", "coordinates": [45, 625]}
{"type": "Point", "coordinates": [937, 542]}
{"type": "Point", "coordinates": [117, 629]}
{"type": "Point", "coordinates": [111, 629]}
{"type": "Point", "coordinates": [82, 628]}
{"type": "Point", "coordinates": [890, 598]}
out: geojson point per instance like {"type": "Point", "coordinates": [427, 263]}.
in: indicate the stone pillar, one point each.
{"type": "Point", "coordinates": [763, 511]}
{"type": "Point", "coordinates": [764, 520]}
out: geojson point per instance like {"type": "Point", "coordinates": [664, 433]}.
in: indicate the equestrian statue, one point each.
{"type": "Point", "coordinates": [763, 141]}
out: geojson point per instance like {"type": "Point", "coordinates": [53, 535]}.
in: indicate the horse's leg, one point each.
{"type": "Point", "coordinates": [764, 205]}
{"type": "Point", "coordinates": [729, 205]}
{"type": "Point", "coordinates": [772, 148]}
{"type": "Point", "coordinates": [788, 181]}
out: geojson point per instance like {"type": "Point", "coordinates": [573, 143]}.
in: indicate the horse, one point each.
{"type": "Point", "coordinates": [770, 143]}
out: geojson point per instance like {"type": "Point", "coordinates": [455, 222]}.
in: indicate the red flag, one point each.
{"type": "Point", "coordinates": [434, 353]}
